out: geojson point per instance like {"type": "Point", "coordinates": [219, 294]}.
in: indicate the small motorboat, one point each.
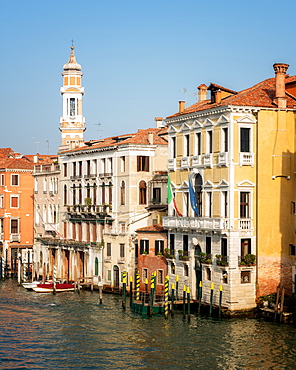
{"type": "Point", "coordinates": [33, 284]}
{"type": "Point", "coordinates": [49, 287]}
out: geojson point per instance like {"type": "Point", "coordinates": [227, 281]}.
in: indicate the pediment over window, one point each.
{"type": "Point", "coordinates": [208, 122]}
{"type": "Point", "coordinates": [185, 127]}
{"type": "Point", "coordinates": [172, 129]}
{"type": "Point", "coordinates": [197, 124]}
{"type": "Point", "coordinates": [223, 183]}
{"type": "Point", "coordinates": [184, 184]}
{"type": "Point", "coordinates": [248, 118]}
{"type": "Point", "coordinates": [208, 184]}
{"type": "Point", "coordinates": [222, 120]}
{"type": "Point", "coordinates": [246, 184]}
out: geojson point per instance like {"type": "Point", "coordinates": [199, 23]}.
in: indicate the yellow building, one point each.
{"type": "Point", "coordinates": [238, 148]}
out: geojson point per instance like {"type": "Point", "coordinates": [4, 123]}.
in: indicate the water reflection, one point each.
{"type": "Point", "coordinates": [73, 331]}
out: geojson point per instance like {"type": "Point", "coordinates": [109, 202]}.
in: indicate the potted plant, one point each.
{"type": "Point", "coordinates": [203, 257]}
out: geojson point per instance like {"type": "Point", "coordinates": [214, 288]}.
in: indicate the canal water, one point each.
{"type": "Point", "coordinates": [72, 331]}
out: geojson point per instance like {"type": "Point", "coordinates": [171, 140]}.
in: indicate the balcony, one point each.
{"type": "Point", "coordinates": [245, 224]}
{"type": "Point", "coordinates": [246, 159]}
{"type": "Point", "coordinates": [196, 161]}
{"type": "Point", "coordinates": [90, 175]}
{"type": "Point", "coordinates": [75, 177]}
{"type": "Point", "coordinates": [247, 260]}
{"type": "Point", "coordinates": [206, 258]}
{"type": "Point", "coordinates": [207, 160]}
{"type": "Point", "coordinates": [121, 260]}
{"type": "Point", "coordinates": [223, 159]}
{"type": "Point", "coordinates": [185, 162]}
{"type": "Point", "coordinates": [15, 238]}
{"type": "Point", "coordinates": [185, 223]}
{"type": "Point", "coordinates": [171, 164]}
{"type": "Point", "coordinates": [51, 226]}
{"type": "Point", "coordinates": [47, 168]}
{"type": "Point", "coordinates": [221, 261]}
{"type": "Point", "coordinates": [105, 174]}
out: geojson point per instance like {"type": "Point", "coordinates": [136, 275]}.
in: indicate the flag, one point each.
{"type": "Point", "coordinates": [192, 196]}
{"type": "Point", "coordinates": [171, 199]}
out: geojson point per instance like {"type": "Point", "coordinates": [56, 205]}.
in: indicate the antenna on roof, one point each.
{"type": "Point", "coordinates": [36, 142]}
{"type": "Point", "coordinates": [47, 147]}
{"type": "Point", "coordinates": [99, 129]}
{"type": "Point", "coordinates": [184, 91]}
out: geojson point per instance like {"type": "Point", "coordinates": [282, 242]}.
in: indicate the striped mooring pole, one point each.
{"type": "Point", "coordinates": [177, 286]}
{"type": "Point", "coordinates": [1, 273]}
{"type": "Point", "coordinates": [131, 291]}
{"type": "Point", "coordinates": [173, 300]}
{"type": "Point", "coordinates": [211, 298]}
{"type": "Point", "coordinates": [151, 294]}
{"type": "Point", "coordinates": [54, 279]}
{"type": "Point", "coordinates": [166, 297]}
{"type": "Point", "coordinates": [24, 271]}
{"type": "Point", "coordinates": [3, 267]}
{"type": "Point", "coordinates": [220, 300]}
{"type": "Point", "coordinates": [199, 296]}
{"type": "Point", "coordinates": [184, 301]}
{"type": "Point", "coordinates": [137, 286]}
{"type": "Point", "coordinates": [188, 303]}
{"type": "Point", "coordinates": [124, 289]}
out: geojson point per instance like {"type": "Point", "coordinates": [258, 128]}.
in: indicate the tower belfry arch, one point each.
{"type": "Point", "coordinates": [72, 122]}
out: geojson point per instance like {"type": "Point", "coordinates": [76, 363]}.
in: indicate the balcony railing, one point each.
{"type": "Point", "coordinates": [207, 160]}
{"type": "Point", "coordinates": [171, 164]}
{"type": "Point", "coordinates": [15, 237]}
{"type": "Point", "coordinates": [196, 161]}
{"type": "Point", "coordinates": [246, 159]}
{"type": "Point", "coordinates": [90, 175]}
{"type": "Point", "coordinates": [222, 159]}
{"type": "Point", "coordinates": [195, 223]}
{"type": "Point", "coordinates": [185, 162]}
{"type": "Point", "coordinates": [47, 168]}
{"type": "Point", "coordinates": [51, 226]}
{"type": "Point", "coordinates": [245, 224]}
{"type": "Point", "coordinates": [105, 174]}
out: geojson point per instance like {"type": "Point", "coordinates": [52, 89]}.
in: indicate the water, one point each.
{"type": "Point", "coordinates": [72, 331]}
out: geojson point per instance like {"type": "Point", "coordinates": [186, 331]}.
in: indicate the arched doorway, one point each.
{"type": "Point", "coordinates": [115, 277]}
{"type": "Point", "coordinates": [197, 267]}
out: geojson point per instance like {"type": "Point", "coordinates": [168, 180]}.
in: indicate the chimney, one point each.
{"type": "Point", "coordinates": [181, 106]}
{"type": "Point", "coordinates": [218, 96]}
{"type": "Point", "coordinates": [150, 138]}
{"type": "Point", "coordinates": [158, 122]}
{"type": "Point", "coordinates": [202, 92]}
{"type": "Point", "coordinates": [280, 84]}
{"type": "Point", "coordinates": [35, 158]}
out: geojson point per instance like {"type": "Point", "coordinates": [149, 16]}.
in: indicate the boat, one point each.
{"type": "Point", "coordinates": [33, 284]}
{"type": "Point", "coordinates": [49, 287]}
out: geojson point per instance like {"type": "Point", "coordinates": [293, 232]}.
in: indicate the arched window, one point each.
{"type": "Point", "coordinates": [87, 190]}
{"type": "Point", "coordinates": [74, 195]}
{"type": "Point", "coordinates": [110, 192]}
{"type": "Point", "coordinates": [103, 193]}
{"type": "Point", "coordinates": [95, 194]}
{"type": "Point", "coordinates": [142, 192]}
{"type": "Point", "coordinates": [198, 193]}
{"type": "Point", "coordinates": [96, 266]}
{"type": "Point", "coordinates": [65, 195]}
{"type": "Point", "coordinates": [122, 193]}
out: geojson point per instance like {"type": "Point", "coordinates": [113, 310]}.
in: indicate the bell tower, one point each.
{"type": "Point", "coordinates": [72, 123]}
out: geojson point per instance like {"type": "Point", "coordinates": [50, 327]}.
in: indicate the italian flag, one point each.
{"type": "Point", "coordinates": [171, 199]}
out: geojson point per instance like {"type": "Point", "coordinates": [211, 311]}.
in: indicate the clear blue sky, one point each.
{"type": "Point", "coordinates": [136, 56]}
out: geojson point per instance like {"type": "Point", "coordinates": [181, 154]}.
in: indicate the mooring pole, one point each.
{"type": "Point", "coordinates": [211, 298]}
{"type": "Point", "coordinates": [19, 271]}
{"type": "Point", "coordinates": [220, 300]}
{"type": "Point", "coordinates": [188, 303]}
{"type": "Point", "coordinates": [166, 297]}
{"type": "Point", "coordinates": [177, 286]}
{"type": "Point", "coordinates": [137, 285]}
{"type": "Point", "coordinates": [131, 291]}
{"type": "Point", "coordinates": [54, 279]}
{"type": "Point", "coordinates": [1, 274]}
{"type": "Point", "coordinates": [124, 289]}
{"type": "Point", "coordinates": [199, 296]}
{"type": "Point", "coordinates": [24, 272]}
{"type": "Point", "coordinates": [184, 301]}
{"type": "Point", "coordinates": [151, 295]}
{"type": "Point", "coordinates": [3, 268]}
{"type": "Point", "coordinates": [100, 285]}
{"type": "Point", "coordinates": [173, 300]}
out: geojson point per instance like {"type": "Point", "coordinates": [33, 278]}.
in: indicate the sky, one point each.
{"type": "Point", "coordinates": [139, 58]}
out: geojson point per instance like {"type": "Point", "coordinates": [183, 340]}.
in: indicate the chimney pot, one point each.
{"type": "Point", "coordinates": [202, 92]}
{"type": "Point", "coordinates": [181, 106]}
{"type": "Point", "coordinates": [280, 70]}
{"type": "Point", "coordinates": [158, 122]}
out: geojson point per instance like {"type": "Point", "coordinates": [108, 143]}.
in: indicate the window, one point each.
{"type": "Point", "coordinates": [156, 195]}
{"type": "Point", "coordinates": [14, 201]}
{"type": "Point", "coordinates": [103, 193]}
{"type": "Point", "coordinates": [74, 168]}
{"type": "Point", "coordinates": [65, 170]}
{"type": "Point", "coordinates": [186, 270]}
{"type": "Point", "coordinates": [110, 193]}
{"type": "Point", "coordinates": [145, 275]}
{"type": "Point", "coordinates": [80, 168]}
{"type": "Point", "coordinates": [122, 164]}
{"type": "Point", "coordinates": [14, 226]}
{"type": "Point", "coordinates": [1, 200]}
{"type": "Point", "coordinates": [210, 141]}
{"type": "Point", "coordinates": [65, 195]}
{"type": "Point", "coordinates": [245, 277]}
{"type": "Point", "coordinates": [159, 247]}
{"type": "Point", "coordinates": [160, 277]}
{"type": "Point", "coordinates": [109, 275]}
{"type": "Point", "coordinates": [122, 250]}
{"type": "Point", "coordinates": [224, 204]}
{"type": "Point", "coordinates": [224, 277]}
{"type": "Point", "coordinates": [244, 139]}
{"type": "Point", "coordinates": [292, 250]}
{"type": "Point", "coordinates": [225, 139]}
{"type": "Point", "coordinates": [223, 247]}
{"type": "Point", "coordinates": [144, 246]}
{"type": "Point", "coordinates": [198, 193]}
{"type": "Point", "coordinates": [96, 266]}
{"type": "Point", "coordinates": [122, 227]}
{"type": "Point", "coordinates": [108, 249]}
{"type": "Point", "coordinates": [208, 245]}
{"type": "Point", "coordinates": [209, 204]}
{"type": "Point", "coordinates": [72, 106]}
{"type": "Point", "coordinates": [198, 143]}
{"type": "Point", "coordinates": [172, 244]}
{"type": "Point", "coordinates": [185, 245]}
{"type": "Point", "coordinates": [208, 273]}
{"type": "Point", "coordinates": [2, 180]}
{"type": "Point", "coordinates": [142, 192]}
{"type": "Point", "coordinates": [245, 247]}
{"type": "Point", "coordinates": [36, 185]}
{"type": "Point", "coordinates": [173, 149]}
{"type": "Point", "coordinates": [173, 268]}
{"type": "Point", "coordinates": [244, 204]}
{"type": "Point", "coordinates": [122, 193]}
{"type": "Point", "coordinates": [15, 180]}
{"type": "Point", "coordinates": [186, 146]}
{"type": "Point", "coordinates": [142, 163]}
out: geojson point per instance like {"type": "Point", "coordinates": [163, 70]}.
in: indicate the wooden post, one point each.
{"type": "Point", "coordinates": [220, 300]}
{"type": "Point", "coordinates": [54, 279]}
{"type": "Point", "coordinates": [282, 303]}
{"type": "Point", "coordinates": [277, 302]}
{"type": "Point", "coordinates": [199, 296]}
{"type": "Point", "coordinates": [211, 298]}
{"type": "Point", "coordinates": [173, 300]}
{"type": "Point", "coordinates": [1, 274]}
{"type": "Point", "coordinates": [3, 268]}
{"type": "Point", "coordinates": [19, 271]}
{"type": "Point", "coordinates": [124, 289]}
{"type": "Point", "coordinates": [188, 303]}
{"type": "Point", "coordinates": [43, 273]}
{"type": "Point", "coordinates": [75, 278]}
{"type": "Point", "coordinates": [100, 284]}
{"type": "Point", "coordinates": [92, 281]}
{"type": "Point", "coordinates": [184, 301]}
{"type": "Point", "coordinates": [177, 286]}
{"type": "Point", "coordinates": [24, 272]}
{"type": "Point", "coordinates": [137, 286]}
{"type": "Point", "coordinates": [166, 297]}
{"type": "Point", "coordinates": [151, 295]}
{"type": "Point", "coordinates": [131, 291]}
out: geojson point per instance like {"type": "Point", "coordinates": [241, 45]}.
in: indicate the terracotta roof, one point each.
{"type": "Point", "coordinates": [151, 229]}
{"type": "Point", "coordinates": [16, 163]}
{"type": "Point", "coordinates": [41, 158]}
{"type": "Point", "coordinates": [260, 95]}
{"type": "Point", "coordinates": [139, 138]}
